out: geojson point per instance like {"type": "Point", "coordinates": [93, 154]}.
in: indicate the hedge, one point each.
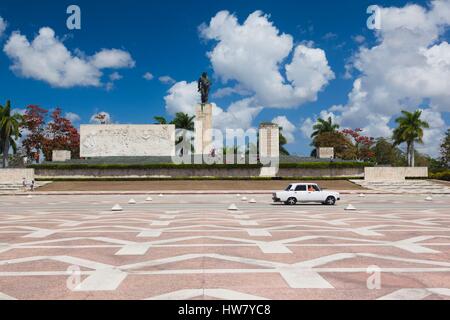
{"type": "Point", "coordinates": [68, 179]}
{"type": "Point", "coordinates": [443, 175]}
{"type": "Point", "coordinates": [303, 165]}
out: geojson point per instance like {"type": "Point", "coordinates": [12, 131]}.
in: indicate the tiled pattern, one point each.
{"type": "Point", "coordinates": [190, 247]}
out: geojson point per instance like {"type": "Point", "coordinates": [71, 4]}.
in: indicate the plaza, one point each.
{"type": "Point", "coordinates": [191, 246]}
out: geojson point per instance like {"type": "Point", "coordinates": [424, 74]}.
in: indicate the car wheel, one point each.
{"type": "Point", "coordinates": [291, 201]}
{"type": "Point", "coordinates": [331, 201]}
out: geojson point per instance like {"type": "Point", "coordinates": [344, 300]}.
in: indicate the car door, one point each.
{"type": "Point", "coordinates": [314, 193]}
{"type": "Point", "coordinates": [301, 193]}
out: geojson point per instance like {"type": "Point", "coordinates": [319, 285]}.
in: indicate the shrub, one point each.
{"type": "Point", "coordinates": [302, 165]}
{"type": "Point", "coordinates": [443, 175]}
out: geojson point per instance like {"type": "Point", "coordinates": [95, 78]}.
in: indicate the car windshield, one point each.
{"type": "Point", "coordinates": [289, 188]}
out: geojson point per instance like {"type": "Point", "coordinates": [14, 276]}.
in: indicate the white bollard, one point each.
{"type": "Point", "coordinates": [117, 208]}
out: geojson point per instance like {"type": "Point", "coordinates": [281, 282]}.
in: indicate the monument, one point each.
{"type": "Point", "coordinates": [106, 140]}
{"type": "Point", "coordinates": [61, 155]}
{"type": "Point", "coordinates": [269, 141]}
{"type": "Point", "coordinates": [203, 118]}
{"type": "Point", "coordinates": [325, 153]}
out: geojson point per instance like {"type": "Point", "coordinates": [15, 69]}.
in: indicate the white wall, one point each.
{"type": "Point", "coordinates": [16, 175]}
{"type": "Point", "coordinates": [127, 140]}
{"type": "Point", "coordinates": [394, 173]}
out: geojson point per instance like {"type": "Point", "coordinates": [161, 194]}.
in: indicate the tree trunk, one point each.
{"type": "Point", "coordinates": [5, 153]}
{"type": "Point", "coordinates": [408, 154]}
{"type": "Point", "coordinates": [413, 160]}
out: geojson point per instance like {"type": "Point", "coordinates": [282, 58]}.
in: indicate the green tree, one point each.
{"type": "Point", "coordinates": [410, 131]}
{"type": "Point", "coordinates": [388, 154]}
{"type": "Point", "coordinates": [160, 120]}
{"type": "Point", "coordinates": [184, 121]}
{"type": "Point", "coordinates": [323, 126]}
{"type": "Point", "coordinates": [283, 142]}
{"type": "Point", "coordinates": [343, 146]}
{"type": "Point", "coordinates": [181, 121]}
{"type": "Point", "coordinates": [9, 131]}
{"type": "Point", "coordinates": [445, 150]}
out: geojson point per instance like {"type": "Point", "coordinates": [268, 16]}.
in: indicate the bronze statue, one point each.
{"type": "Point", "coordinates": [203, 87]}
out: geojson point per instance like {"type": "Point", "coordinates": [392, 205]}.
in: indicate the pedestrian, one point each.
{"type": "Point", "coordinates": [32, 185]}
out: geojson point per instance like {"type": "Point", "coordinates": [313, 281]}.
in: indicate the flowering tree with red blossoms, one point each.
{"type": "Point", "coordinates": [34, 130]}
{"type": "Point", "coordinates": [60, 134]}
{"type": "Point", "coordinates": [362, 143]}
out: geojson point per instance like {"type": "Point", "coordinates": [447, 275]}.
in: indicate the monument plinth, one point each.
{"type": "Point", "coordinates": [269, 140]}
{"type": "Point", "coordinates": [203, 129]}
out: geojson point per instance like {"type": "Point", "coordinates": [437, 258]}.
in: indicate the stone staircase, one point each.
{"type": "Point", "coordinates": [17, 187]}
{"type": "Point", "coordinates": [407, 186]}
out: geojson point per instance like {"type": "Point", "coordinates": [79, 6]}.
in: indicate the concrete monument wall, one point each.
{"type": "Point", "coordinates": [61, 155]}
{"type": "Point", "coordinates": [127, 140]}
{"type": "Point", "coordinates": [269, 141]}
{"type": "Point", "coordinates": [15, 176]}
{"type": "Point", "coordinates": [325, 153]}
{"type": "Point", "coordinates": [394, 173]}
{"type": "Point", "coordinates": [203, 129]}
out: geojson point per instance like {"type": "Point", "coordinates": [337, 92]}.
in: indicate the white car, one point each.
{"type": "Point", "coordinates": [306, 192]}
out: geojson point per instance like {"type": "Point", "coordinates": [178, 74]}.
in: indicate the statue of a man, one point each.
{"type": "Point", "coordinates": [203, 87]}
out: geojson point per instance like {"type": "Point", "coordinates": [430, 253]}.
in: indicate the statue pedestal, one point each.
{"type": "Point", "coordinates": [203, 129]}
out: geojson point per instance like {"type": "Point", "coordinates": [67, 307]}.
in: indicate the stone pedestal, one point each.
{"type": "Point", "coordinates": [325, 153]}
{"type": "Point", "coordinates": [61, 155]}
{"type": "Point", "coordinates": [203, 129]}
{"type": "Point", "coordinates": [269, 141]}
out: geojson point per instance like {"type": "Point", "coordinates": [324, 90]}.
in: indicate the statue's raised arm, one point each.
{"type": "Point", "coordinates": [203, 87]}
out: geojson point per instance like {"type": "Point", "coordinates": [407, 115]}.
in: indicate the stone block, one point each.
{"type": "Point", "coordinates": [127, 140]}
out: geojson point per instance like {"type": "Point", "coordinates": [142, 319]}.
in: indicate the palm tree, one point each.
{"type": "Point", "coordinates": [323, 126]}
{"type": "Point", "coordinates": [184, 121]}
{"type": "Point", "coordinates": [181, 121]}
{"type": "Point", "coordinates": [160, 120]}
{"type": "Point", "coordinates": [283, 142]}
{"type": "Point", "coordinates": [410, 130]}
{"type": "Point", "coordinates": [9, 131]}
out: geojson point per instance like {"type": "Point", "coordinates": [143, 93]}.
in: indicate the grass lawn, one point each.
{"type": "Point", "coordinates": [194, 185]}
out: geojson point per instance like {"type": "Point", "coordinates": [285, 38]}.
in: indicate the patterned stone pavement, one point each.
{"type": "Point", "coordinates": [192, 247]}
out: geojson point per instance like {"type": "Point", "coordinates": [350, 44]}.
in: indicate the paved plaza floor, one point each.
{"type": "Point", "coordinates": [193, 247]}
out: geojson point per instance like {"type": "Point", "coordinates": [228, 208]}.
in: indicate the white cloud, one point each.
{"type": "Point", "coordinates": [47, 59]}
{"type": "Point", "coordinates": [115, 76]}
{"type": "Point", "coordinates": [112, 59]}
{"type": "Point", "coordinates": [255, 54]}
{"type": "Point", "coordinates": [3, 26]}
{"type": "Point", "coordinates": [228, 91]}
{"type": "Point", "coordinates": [359, 38]}
{"type": "Point", "coordinates": [408, 68]}
{"type": "Point", "coordinates": [433, 136]}
{"type": "Point", "coordinates": [306, 125]}
{"type": "Point", "coordinates": [106, 118]}
{"type": "Point", "coordinates": [184, 97]}
{"type": "Point", "coordinates": [148, 76]}
{"type": "Point", "coordinates": [18, 111]}
{"type": "Point", "coordinates": [166, 80]}
{"type": "Point", "coordinates": [73, 117]}
{"type": "Point", "coordinates": [330, 36]}
{"type": "Point", "coordinates": [288, 128]}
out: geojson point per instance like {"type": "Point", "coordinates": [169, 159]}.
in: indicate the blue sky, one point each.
{"type": "Point", "coordinates": [162, 37]}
